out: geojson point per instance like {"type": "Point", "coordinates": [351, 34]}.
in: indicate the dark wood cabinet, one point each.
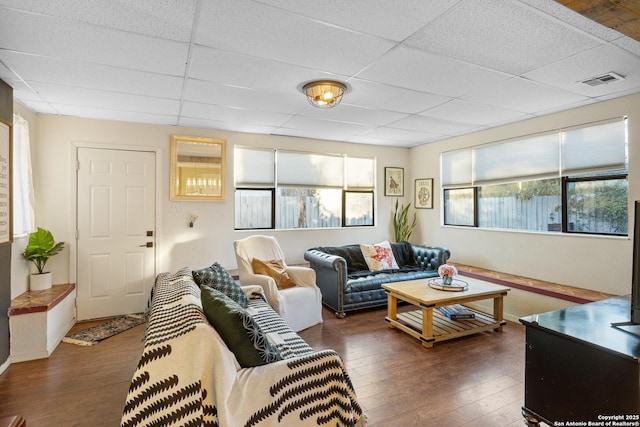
{"type": "Point", "coordinates": [579, 368]}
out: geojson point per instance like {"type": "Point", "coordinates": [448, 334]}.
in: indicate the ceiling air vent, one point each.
{"type": "Point", "coordinates": [603, 79]}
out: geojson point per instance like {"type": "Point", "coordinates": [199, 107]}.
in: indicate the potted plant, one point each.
{"type": "Point", "coordinates": [40, 248]}
{"type": "Point", "coordinates": [401, 224]}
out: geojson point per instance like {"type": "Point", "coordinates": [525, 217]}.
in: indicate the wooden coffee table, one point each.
{"type": "Point", "coordinates": [430, 325]}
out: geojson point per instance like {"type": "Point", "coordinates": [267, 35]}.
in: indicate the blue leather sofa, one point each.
{"type": "Point", "coordinates": [347, 283]}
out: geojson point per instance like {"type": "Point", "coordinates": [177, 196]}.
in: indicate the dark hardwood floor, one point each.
{"type": "Point", "coordinates": [472, 381]}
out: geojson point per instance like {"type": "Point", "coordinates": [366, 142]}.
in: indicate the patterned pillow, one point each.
{"type": "Point", "coordinates": [219, 278]}
{"type": "Point", "coordinates": [275, 269]}
{"type": "Point", "coordinates": [379, 256]}
{"type": "Point", "coordinates": [240, 332]}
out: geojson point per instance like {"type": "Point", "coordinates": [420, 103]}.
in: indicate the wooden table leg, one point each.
{"type": "Point", "coordinates": [427, 327]}
{"type": "Point", "coordinates": [498, 311]}
{"type": "Point", "coordinates": [392, 308]}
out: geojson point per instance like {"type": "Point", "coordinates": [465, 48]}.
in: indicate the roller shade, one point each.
{"type": "Point", "coordinates": [456, 168]}
{"type": "Point", "coordinates": [254, 167]}
{"type": "Point", "coordinates": [310, 170]}
{"type": "Point", "coordinates": [600, 147]}
{"type": "Point", "coordinates": [528, 158]}
{"type": "Point", "coordinates": [360, 173]}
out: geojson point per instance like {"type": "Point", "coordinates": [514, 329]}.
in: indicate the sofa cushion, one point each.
{"type": "Point", "coordinates": [218, 278]}
{"type": "Point", "coordinates": [237, 328]}
{"type": "Point", "coordinates": [370, 280]}
{"type": "Point", "coordinates": [275, 269]}
{"type": "Point", "coordinates": [379, 256]}
{"type": "Point", "coordinates": [351, 253]}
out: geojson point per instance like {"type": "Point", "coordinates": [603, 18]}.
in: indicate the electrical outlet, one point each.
{"type": "Point", "coordinates": [174, 208]}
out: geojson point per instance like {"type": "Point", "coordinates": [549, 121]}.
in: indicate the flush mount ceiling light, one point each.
{"type": "Point", "coordinates": [324, 93]}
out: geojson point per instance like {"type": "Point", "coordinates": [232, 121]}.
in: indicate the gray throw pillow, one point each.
{"type": "Point", "coordinates": [218, 278]}
{"type": "Point", "coordinates": [242, 335]}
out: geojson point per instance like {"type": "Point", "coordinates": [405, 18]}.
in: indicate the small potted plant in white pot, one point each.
{"type": "Point", "coordinates": [40, 248]}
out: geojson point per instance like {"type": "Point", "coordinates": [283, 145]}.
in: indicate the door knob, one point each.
{"type": "Point", "coordinates": [147, 245]}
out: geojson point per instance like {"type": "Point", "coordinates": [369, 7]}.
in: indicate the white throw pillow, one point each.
{"type": "Point", "coordinates": [379, 256]}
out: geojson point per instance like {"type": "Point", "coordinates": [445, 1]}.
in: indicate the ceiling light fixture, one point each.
{"type": "Point", "coordinates": [324, 93]}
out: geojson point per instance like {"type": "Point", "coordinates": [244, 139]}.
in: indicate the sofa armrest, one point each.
{"type": "Point", "coordinates": [302, 276]}
{"type": "Point", "coordinates": [331, 277]}
{"type": "Point", "coordinates": [268, 285]}
{"type": "Point", "coordinates": [318, 259]}
{"type": "Point", "coordinates": [430, 257]}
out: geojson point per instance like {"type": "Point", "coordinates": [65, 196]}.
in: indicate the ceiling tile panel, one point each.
{"type": "Point", "coordinates": [628, 44]}
{"type": "Point", "coordinates": [58, 95]}
{"type": "Point", "coordinates": [352, 114]}
{"type": "Point", "coordinates": [525, 96]}
{"type": "Point", "coordinates": [366, 16]}
{"type": "Point", "coordinates": [570, 73]}
{"type": "Point", "coordinates": [71, 74]}
{"type": "Point", "coordinates": [234, 69]}
{"type": "Point", "coordinates": [102, 114]}
{"type": "Point", "coordinates": [426, 72]}
{"type": "Point", "coordinates": [167, 19]}
{"type": "Point", "coordinates": [41, 107]}
{"type": "Point", "coordinates": [512, 38]}
{"type": "Point", "coordinates": [228, 114]}
{"type": "Point", "coordinates": [229, 126]}
{"type": "Point", "coordinates": [46, 36]}
{"type": "Point", "coordinates": [473, 113]}
{"type": "Point", "coordinates": [233, 96]}
{"type": "Point", "coordinates": [326, 126]}
{"type": "Point", "coordinates": [265, 32]}
{"type": "Point", "coordinates": [392, 98]}
{"type": "Point", "coordinates": [408, 136]}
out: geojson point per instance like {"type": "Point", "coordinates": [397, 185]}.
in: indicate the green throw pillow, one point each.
{"type": "Point", "coordinates": [218, 278]}
{"type": "Point", "coordinates": [237, 328]}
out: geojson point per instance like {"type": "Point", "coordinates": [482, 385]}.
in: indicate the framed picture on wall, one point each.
{"type": "Point", "coordinates": [424, 193]}
{"type": "Point", "coordinates": [394, 182]}
{"type": "Point", "coordinates": [6, 233]}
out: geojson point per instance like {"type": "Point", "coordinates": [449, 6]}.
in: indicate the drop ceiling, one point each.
{"type": "Point", "coordinates": [417, 71]}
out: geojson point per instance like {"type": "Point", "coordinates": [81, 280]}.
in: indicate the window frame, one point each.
{"type": "Point", "coordinates": [567, 180]}
{"type": "Point", "coordinates": [346, 186]}
{"type": "Point", "coordinates": [344, 208]}
{"type": "Point", "coordinates": [458, 167]}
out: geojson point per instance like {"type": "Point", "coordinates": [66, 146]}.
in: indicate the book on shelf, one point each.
{"type": "Point", "coordinates": [457, 312]}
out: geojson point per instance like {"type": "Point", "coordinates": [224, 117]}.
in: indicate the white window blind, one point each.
{"type": "Point", "coordinates": [360, 173]}
{"type": "Point", "coordinates": [309, 170]}
{"type": "Point", "coordinates": [456, 168]}
{"type": "Point", "coordinates": [528, 158]}
{"type": "Point", "coordinates": [591, 148]}
{"type": "Point", "coordinates": [254, 167]}
{"type": "Point", "coordinates": [600, 147]}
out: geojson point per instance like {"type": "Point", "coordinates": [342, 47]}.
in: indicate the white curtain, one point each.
{"type": "Point", "coordinates": [23, 195]}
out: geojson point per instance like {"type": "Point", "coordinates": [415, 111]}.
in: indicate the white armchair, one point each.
{"type": "Point", "coordinates": [300, 306]}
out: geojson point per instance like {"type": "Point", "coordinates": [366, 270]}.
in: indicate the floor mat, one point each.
{"type": "Point", "coordinates": [95, 334]}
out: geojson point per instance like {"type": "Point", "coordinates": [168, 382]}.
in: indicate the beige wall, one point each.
{"type": "Point", "coordinates": [591, 262]}
{"type": "Point", "coordinates": [583, 261]}
{"type": "Point", "coordinates": [178, 245]}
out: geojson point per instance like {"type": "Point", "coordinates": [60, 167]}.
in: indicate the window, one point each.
{"type": "Point", "coordinates": [459, 206]}
{"type": "Point", "coordinates": [597, 205]}
{"type": "Point", "coordinates": [290, 190]}
{"type": "Point", "coordinates": [572, 181]}
{"type": "Point", "coordinates": [23, 195]}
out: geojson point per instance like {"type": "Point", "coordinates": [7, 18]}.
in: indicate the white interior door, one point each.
{"type": "Point", "coordinates": [116, 231]}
